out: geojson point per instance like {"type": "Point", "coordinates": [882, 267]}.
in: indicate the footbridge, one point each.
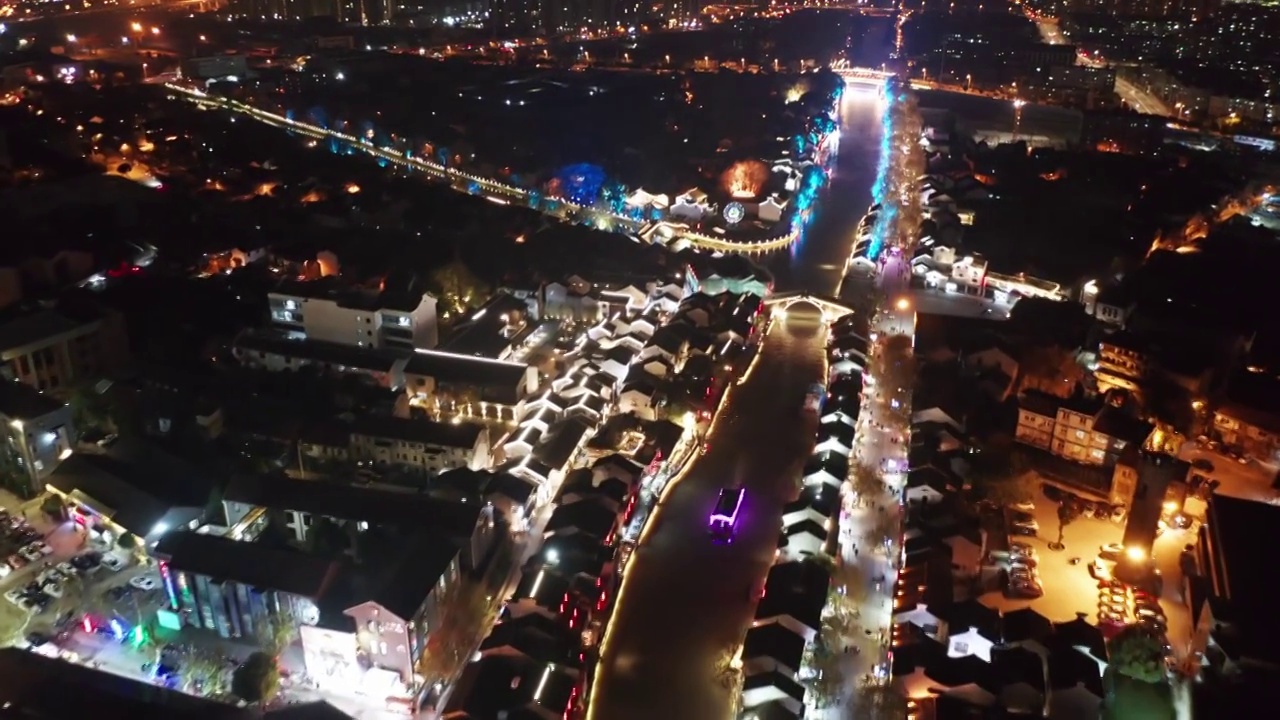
{"type": "Point", "coordinates": [865, 77]}
{"type": "Point", "coordinates": [832, 309]}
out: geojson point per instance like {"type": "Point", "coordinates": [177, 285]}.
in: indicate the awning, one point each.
{"type": "Point", "coordinates": [90, 504]}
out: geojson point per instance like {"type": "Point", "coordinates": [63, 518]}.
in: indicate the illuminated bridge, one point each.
{"type": "Point", "coordinates": [832, 308]}
{"type": "Point", "coordinates": [860, 76]}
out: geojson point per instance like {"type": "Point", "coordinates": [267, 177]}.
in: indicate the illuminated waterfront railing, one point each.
{"type": "Point", "coordinates": [495, 187]}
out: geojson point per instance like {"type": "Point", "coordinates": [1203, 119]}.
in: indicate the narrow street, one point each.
{"type": "Point", "coordinates": [876, 442]}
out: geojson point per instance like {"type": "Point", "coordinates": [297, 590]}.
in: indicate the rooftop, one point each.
{"type": "Point", "coordinates": [797, 589]}
{"type": "Point", "coordinates": [403, 296]}
{"type": "Point", "coordinates": [249, 563]}
{"type": "Point", "coordinates": [29, 328]}
{"type": "Point", "coordinates": [449, 368]}
{"type": "Point", "coordinates": [138, 492]}
{"type": "Point", "coordinates": [34, 687]}
{"type": "Point", "coordinates": [491, 329]}
{"type": "Point", "coordinates": [1242, 593]}
{"type": "Point", "coordinates": [498, 685]}
{"type": "Point", "coordinates": [19, 401]}
{"type": "Point", "coordinates": [427, 432]}
{"type": "Point", "coordinates": [348, 502]}
{"type": "Point", "coordinates": [351, 356]}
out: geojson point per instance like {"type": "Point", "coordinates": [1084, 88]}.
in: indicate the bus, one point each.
{"type": "Point", "coordinates": [724, 518]}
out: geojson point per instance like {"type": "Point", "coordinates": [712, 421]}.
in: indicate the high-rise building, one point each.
{"type": "Point", "coordinates": [1147, 8]}
{"type": "Point", "coordinates": [351, 12]}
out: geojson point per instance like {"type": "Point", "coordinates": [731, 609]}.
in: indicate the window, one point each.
{"type": "Point", "coordinates": [382, 648]}
{"type": "Point", "coordinates": [1079, 434]}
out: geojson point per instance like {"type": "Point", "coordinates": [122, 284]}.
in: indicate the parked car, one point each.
{"type": "Point", "coordinates": [1028, 591]}
{"type": "Point", "coordinates": [87, 561]}
{"type": "Point", "coordinates": [1025, 506]}
{"type": "Point", "coordinates": [16, 561]}
{"type": "Point", "coordinates": [1027, 522]}
{"type": "Point", "coordinates": [31, 553]}
{"type": "Point", "coordinates": [144, 582]}
{"type": "Point", "coordinates": [1053, 492]}
{"type": "Point", "coordinates": [1020, 529]}
{"type": "Point", "coordinates": [113, 563]}
{"type": "Point", "coordinates": [1154, 623]}
{"type": "Point", "coordinates": [53, 588]}
{"type": "Point", "coordinates": [67, 569]}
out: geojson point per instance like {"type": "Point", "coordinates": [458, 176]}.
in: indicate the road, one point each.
{"type": "Point", "coordinates": [1134, 97]}
{"type": "Point", "coordinates": [685, 602]}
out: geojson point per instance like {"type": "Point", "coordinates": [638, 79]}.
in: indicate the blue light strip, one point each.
{"type": "Point", "coordinates": [887, 210]}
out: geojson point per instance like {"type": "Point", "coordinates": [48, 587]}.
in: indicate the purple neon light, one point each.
{"type": "Point", "coordinates": [727, 519]}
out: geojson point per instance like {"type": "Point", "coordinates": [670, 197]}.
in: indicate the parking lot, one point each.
{"type": "Point", "coordinates": [1070, 590]}
{"type": "Point", "coordinates": [53, 575]}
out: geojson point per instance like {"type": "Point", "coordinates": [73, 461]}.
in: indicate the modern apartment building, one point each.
{"type": "Point", "coordinates": [361, 621]}
{"type": "Point", "coordinates": [412, 443]}
{"type": "Point", "coordinates": [403, 318]}
{"type": "Point", "coordinates": [1084, 430]}
{"type": "Point", "coordinates": [37, 430]}
{"type": "Point", "coordinates": [50, 350]}
{"type": "Point", "coordinates": [250, 503]}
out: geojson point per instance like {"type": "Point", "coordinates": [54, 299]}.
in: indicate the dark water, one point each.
{"type": "Point", "coordinates": [816, 263]}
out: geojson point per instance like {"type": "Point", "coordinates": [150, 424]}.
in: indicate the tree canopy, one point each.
{"type": "Point", "coordinates": [257, 679]}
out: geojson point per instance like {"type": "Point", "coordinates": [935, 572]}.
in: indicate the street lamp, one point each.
{"type": "Point", "coordinates": [903, 304]}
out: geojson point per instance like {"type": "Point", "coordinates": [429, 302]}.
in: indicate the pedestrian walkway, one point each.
{"type": "Point", "coordinates": [876, 441]}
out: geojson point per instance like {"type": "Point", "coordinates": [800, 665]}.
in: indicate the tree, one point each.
{"type": "Point", "coordinates": [828, 680]}
{"type": "Point", "coordinates": [457, 288]}
{"type": "Point", "coordinates": [866, 480]}
{"type": "Point", "coordinates": [128, 541]}
{"type": "Point", "coordinates": [1010, 489]}
{"type": "Point", "coordinates": [328, 539]}
{"type": "Point", "coordinates": [879, 702]}
{"type": "Point", "coordinates": [257, 679]}
{"type": "Point", "coordinates": [848, 586]}
{"type": "Point", "coordinates": [53, 508]}
{"type": "Point", "coordinates": [1138, 685]}
{"type": "Point", "coordinates": [13, 476]}
{"type": "Point", "coordinates": [206, 669]}
{"type": "Point", "coordinates": [1138, 653]}
{"type": "Point", "coordinates": [1068, 512]}
{"type": "Point", "coordinates": [449, 646]}
{"type": "Point", "coordinates": [276, 635]}
{"type": "Point", "coordinates": [88, 407]}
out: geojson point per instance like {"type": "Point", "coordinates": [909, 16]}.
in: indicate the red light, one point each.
{"type": "Point", "coordinates": [88, 624]}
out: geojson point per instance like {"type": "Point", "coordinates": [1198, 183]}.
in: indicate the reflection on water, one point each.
{"type": "Point", "coordinates": [816, 264]}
